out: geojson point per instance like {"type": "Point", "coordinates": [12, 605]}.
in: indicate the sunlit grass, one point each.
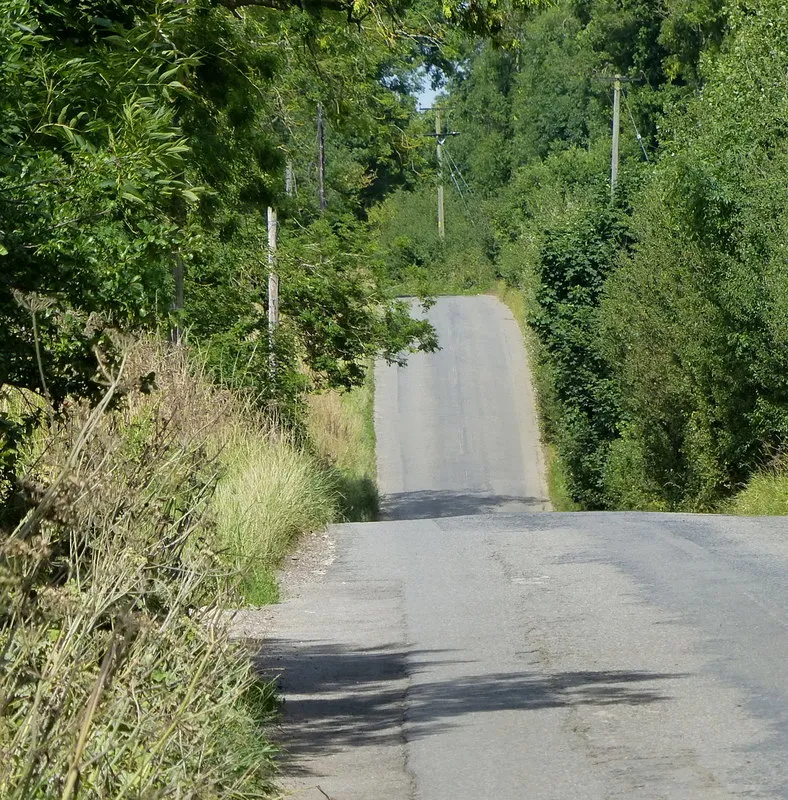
{"type": "Point", "coordinates": [274, 487]}
{"type": "Point", "coordinates": [270, 491]}
{"type": "Point", "coordinates": [341, 428]}
{"type": "Point", "coordinates": [766, 494]}
{"type": "Point", "coordinates": [557, 486]}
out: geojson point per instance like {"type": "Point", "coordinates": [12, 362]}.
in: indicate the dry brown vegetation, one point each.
{"type": "Point", "coordinates": [118, 678]}
{"type": "Point", "coordinates": [341, 428]}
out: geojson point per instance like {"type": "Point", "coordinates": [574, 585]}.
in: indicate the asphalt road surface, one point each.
{"type": "Point", "coordinates": [527, 656]}
{"type": "Point", "coordinates": [457, 430]}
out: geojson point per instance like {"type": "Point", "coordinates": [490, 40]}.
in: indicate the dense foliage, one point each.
{"type": "Point", "coordinates": [143, 141]}
{"type": "Point", "coordinates": [417, 260]}
{"type": "Point", "coordinates": [660, 313]}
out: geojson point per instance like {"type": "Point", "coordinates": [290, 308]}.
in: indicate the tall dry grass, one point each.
{"type": "Point", "coordinates": [341, 429]}
{"type": "Point", "coordinates": [117, 677]}
{"type": "Point", "coordinates": [276, 485]}
{"type": "Point", "coordinates": [766, 493]}
{"type": "Point", "coordinates": [271, 490]}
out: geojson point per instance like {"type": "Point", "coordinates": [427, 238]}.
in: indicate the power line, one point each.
{"type": "Point", "coordinates": [459, 172]}
{"type": "Point", "coordinates": [637, 132]}
{"type": "Point", "coordinates": [456, 172]}
{"type": "Point", "coordinates": [459, 190]}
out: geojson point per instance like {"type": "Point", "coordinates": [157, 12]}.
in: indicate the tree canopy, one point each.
{"type": "Point", "coordinates": [141, 141]}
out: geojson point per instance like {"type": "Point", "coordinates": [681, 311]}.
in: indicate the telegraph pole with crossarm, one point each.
{"type": "Point", "coordinates": [617, 81]}
{"type": "Point", "coordinates": [440, 139]}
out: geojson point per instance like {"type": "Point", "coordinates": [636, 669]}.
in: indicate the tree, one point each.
{"type": "Point", "coordinates": [91, 162]}
{"type": "Point", "coordinates": [140, 137]}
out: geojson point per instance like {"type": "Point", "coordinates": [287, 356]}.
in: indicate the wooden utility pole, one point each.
{"type": "Point", "coordinates": [176, 334]}
{"type": "Point", "coordinates": [440, 139]}
{"type": "Point", "coordinates": [618, 81]}
{"type": "Point", "coordinates": [439, 146]}
{"type": "Point", "coordinates": [273, 292]}
{"type": "Point", "coordinates": [321, 159]}
{"type": "Point", "coordinates": [616, 133]}
{"type": "Point", "coordinates": [290, 182]}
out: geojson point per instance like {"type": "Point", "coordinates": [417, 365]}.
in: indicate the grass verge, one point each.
{"type": "Point", "coordinates": [341, 428]}
{"type": "Point", "coordinates": [766, 494]}
{"type": "Point", "coordinates": [557, 486]}
{"type": "Point", "coordinates": [271, 490]}
{"type": "Point", "coordinates": [274, 488]}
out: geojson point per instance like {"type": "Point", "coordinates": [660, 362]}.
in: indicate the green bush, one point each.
{"type": "Point", "coordinates": [417, 261]}
{"type": "Point", "coordinates": [695, 320]}
{"type": "Point", "coordinates": [575, 261]}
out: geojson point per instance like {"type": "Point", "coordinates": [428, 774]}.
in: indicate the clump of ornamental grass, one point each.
{"type": "Point", "coordinates": [117, 676]}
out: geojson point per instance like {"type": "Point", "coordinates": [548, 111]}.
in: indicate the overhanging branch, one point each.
{"type": "Point", "coordinates": [286, 5]}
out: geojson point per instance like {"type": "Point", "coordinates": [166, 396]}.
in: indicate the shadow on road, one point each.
{"type": "Point", "coordinates": [434, 503]}
{"type": "Point", "coordinates": [338, 698]}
